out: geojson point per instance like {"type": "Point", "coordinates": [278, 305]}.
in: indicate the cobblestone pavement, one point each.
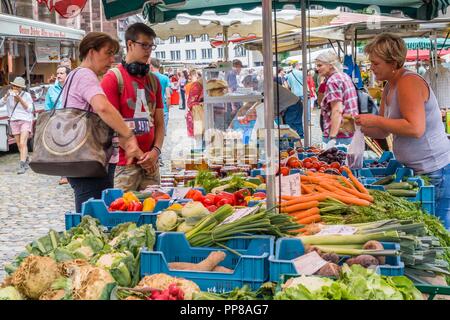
{"type": "Point", "coordinates": [32, 204]}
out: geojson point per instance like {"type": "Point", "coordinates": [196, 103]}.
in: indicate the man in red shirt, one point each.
{"type": "Point", "coordinates": [136, 93]}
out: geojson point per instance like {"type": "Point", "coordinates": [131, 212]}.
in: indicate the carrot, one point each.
{"type": "Point", "coordinates": [335, 190]}
{"type": "Point", "coordinates": [309, 220]}
{"type": "Point", "coordinates": [307, 189]}
{"type": "Point", "coordinates": [288, 197]}
{"type": "Point", "coordinates": [302, 199]}
{"type": "Point", "coordinates": [351, 200]}
{"type": "Point", "coordinates": [300, 206]}
{"type": "Point", "coordinates": [355, 181]}
{"type": "Point", "coordinates": [346, 182]}
{"type": "Point", "coordinates": [355, 193]}
{"type": "Point", "coordinates": [305, 213]}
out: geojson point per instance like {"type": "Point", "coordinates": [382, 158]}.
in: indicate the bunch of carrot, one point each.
{"type": "Point", "coordinates": [319, 187]}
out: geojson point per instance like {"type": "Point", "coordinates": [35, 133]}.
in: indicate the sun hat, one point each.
{"type": "Point", "coordinates": [19, 82]}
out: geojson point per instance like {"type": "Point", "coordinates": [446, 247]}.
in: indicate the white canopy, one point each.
{"type": "Point", "coordinates": [237, 21]}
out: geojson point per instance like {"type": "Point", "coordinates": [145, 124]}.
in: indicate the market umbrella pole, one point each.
{"type": "Point", "coordinates": [307, 140]}
{"type": "Point", "coordinates": [225, 39]}
{"type": "Point", "coordinates": [268, 102]}
{"type": "Point", "coordinates": [27, 62]}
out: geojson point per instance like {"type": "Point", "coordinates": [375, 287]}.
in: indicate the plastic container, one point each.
{"type": "Point", "coordinates": [386, 156]}
{"type": "Point", "coordinates": [288, 249]}
{"type": "Point", "coordinates": [250, 268]}
{"type": "Point", "coordinates": [391, 168]}
{"type": "Point", "coordinates": [98, 209]}
{"type": "Point", "coordinates": [443, 206]}
{"type": "Point", "coordinates": [425, 194]}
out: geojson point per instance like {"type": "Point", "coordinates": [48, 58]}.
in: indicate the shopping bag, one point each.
{"type": "Point", "coordinates": [355, 151]}
{"type": "Point", "coordinates": [198, 114]}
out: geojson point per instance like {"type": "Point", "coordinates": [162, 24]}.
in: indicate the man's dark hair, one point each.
{"type": "Point", "coordinates": [138, 28]}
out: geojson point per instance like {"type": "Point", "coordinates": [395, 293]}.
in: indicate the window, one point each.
{"type": "Point", "coordinates": [160, 55]}
{"type": "Point", "coordinates": [175, 55]}
{"type": "Point", "coordinates": [159, 41]}
{"type": "Point", "coordinates": [191, 54]}
{"type": "Point", "coordinates": [190, 38]}
{"type": "Point", "coordinates": [240, 51]}
{"type": "Point", "coordinates": [220, 52]}
{"type": "Point", "coordinates": [173, 39]}
{"type": "Point", "coordinates": [206, 53]}
{"type": "Point", "coordinates": [205, 37]}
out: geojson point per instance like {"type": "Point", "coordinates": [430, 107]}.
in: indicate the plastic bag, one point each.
{"type": "Point", "coordinates": [355, 152]}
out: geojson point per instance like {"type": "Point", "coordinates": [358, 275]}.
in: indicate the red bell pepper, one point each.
{"type": "Point", "coordinates": [224, 198]}
{"type": "Point", "coordinates": [212, 208]}
{"type": "Point", "coordinates": [194, 195]}
{"type": "Point", "coordinates": [261, 195]}
{"type": "Point", "coordinates": [118, 205]}
{"type": "Point", "coordinates": [135, 206]}
{"type": "Point", "coordinates": [209, 200]}
{"type": "Point", "coordinates": [240, 195]}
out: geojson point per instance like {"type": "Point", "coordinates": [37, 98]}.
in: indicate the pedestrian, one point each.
{"type": "Point", "coordinates": [54, 91]}
{"type": "Point", "coordinates": [311, 88]}
{"type": "Point", "coordinates": [195, 100]}
{"type": "Point", "coordinates": [19, 104]}
{"type": "Point", "coordinates": [340, 97]}
{"type": "Point", "coordinates": [281, 77]}
{"type": "Point", "coordinates": [182, 81]}
{"type": "Point", "coordinates": [410, 112]}
{"type": "Point", "coordinates": [155, 65]}
{"type": "Point", "coordinates": [53, 96]}
{"type": "Point", "coordinates": [96, 52]}
{"type": "Point", "coordinates": [293, 115]}
{"type": "Point", "coordinates": [136, 93]}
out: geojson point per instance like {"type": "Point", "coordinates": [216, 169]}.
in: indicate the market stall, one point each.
{"type": "Point", "coordinates": [335, 233]}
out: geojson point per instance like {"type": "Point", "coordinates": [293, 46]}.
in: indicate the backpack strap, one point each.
{"type": "Point", "coordinates": [153, 82]}
{"type": "Point", "coordinates": [119, 77]}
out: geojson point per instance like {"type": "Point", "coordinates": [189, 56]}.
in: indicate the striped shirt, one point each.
{"type": "Point", "coordinates": [339, 87]}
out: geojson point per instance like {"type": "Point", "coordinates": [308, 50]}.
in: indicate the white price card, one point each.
{"type": "Point", "coordinates": [309, 263]}
{"type": "Point", "coordinates": [337, 230]}
{"type": "Point", "coordinates": [240, 213]}
{"type": "Point", "coordinates": [290, 185]}
{"type": "Point", "coordinates": [180, 193]}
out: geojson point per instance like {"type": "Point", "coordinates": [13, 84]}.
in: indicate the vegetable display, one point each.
{"type": "Point", "coordinates": [354, 283]}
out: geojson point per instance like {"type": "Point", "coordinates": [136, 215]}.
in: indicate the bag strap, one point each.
{"type": "Point", "coordinates": [301, 83]}
{"type": "Point", "coordinates": [72, 75]}
{"type": "Point", "coordinates": [57, 99]}
{"type": "Point", "coordinates": [14, 109]}
{"type": "Point", "coordinates": [119, 77]}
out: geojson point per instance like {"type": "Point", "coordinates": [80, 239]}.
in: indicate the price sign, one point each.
{"type": "Point", "coordinates": [180, 193]}
{"type": "Point", "coordinates": [337, 230]}
{"type": "Point", "coordinates": [309, 264]}
{"type": "Point", "coordinates": [240, 213]}
{"type": "Point", "coordinates": [290, 185]}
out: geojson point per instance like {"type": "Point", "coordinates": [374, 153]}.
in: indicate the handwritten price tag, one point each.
{"type": "Point", "coordinates": [309, 264]}
{"type": "Point", "coordinates": [337, 230]}
{"type": "Point", "coordinates": [240, 213]}
{"type": "Point", "coordinates": [290, 185]}
{"type": "Point", "coordinates": [180, 193]}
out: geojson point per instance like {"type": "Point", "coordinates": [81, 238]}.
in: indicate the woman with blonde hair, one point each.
{"type": "Point", "coordinates": [340, 97]}
{"type": "Point", "coordinates": [410, 112]}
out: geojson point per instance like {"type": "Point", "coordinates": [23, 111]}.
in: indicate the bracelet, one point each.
{"type": "Point", "coordinates": [159, 150]}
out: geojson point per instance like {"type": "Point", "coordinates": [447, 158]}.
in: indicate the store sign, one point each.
{"type": "Point", "coordinates": [48, 52]}
{"type": "Point", "coordinates": [40, 32]}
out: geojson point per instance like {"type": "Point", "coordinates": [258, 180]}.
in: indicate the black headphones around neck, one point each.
{"type": "Point", "coordinates": [136, 68]}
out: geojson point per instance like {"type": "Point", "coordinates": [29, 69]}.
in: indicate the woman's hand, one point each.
{"type": "Point", "coordinates": [367, 120]}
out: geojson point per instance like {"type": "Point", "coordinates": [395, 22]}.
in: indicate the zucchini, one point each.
{"type": "Point", "coordinates": [402, 193]}
{"type": "Point", "coordinates": [385, 180]}
{"type": "Point", "coordinates": [399, 185]}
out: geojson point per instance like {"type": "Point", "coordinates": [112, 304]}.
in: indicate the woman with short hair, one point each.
{"type": "Point", "coordinates": [340, 97]}
{"type": "Point", "coordinates": [410, 112]}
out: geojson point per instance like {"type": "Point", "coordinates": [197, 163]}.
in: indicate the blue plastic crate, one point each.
{"type": "Point", "coordinates": [98, 208]}
{"type": "Point", "coordinates": [382, 172]}
{"type": "Point", "coordinates": [250, 268]}
{"type": "Point", "coordinates": [425, 194]}
{"type": "Point", "coordinates": [386, 156]}
{"type": "Point", "coordinates": [288, 249]}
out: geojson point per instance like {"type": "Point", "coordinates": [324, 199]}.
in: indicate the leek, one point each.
{"type": "Point", "coordinates": [391, 236]}
{"type": "Point", "coordinates": [343, 251]}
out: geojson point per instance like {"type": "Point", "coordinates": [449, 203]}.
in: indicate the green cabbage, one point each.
{"type": "Point", "coordinates": [10, 293]}
{"type": "Point", "coordinates": [121, 265]}
{"type": "Point", "coordinates": [134, 239]}
{"type": "Point", "coordinates": [194, 210]}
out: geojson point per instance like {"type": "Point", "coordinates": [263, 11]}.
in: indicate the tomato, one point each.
{"type": "Point", "coordinates": [293, 152]}
{"type": "Point", "coordinates": [335, 165]}
{"type": "Point", "coordinates": [292, 162]}
{"type": "Point", "coordinates": [307, 165]}
{"type": "Point", "coordinates": [323, 163]}
{"type": "Point", "coordinates": [314, 159]}
{"type": "Point", "coordinates": [284, 171]}
{"type": "Point", "coordinates": [316, 165]}
{"type": "Point", "coordinates": [307, 160]}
